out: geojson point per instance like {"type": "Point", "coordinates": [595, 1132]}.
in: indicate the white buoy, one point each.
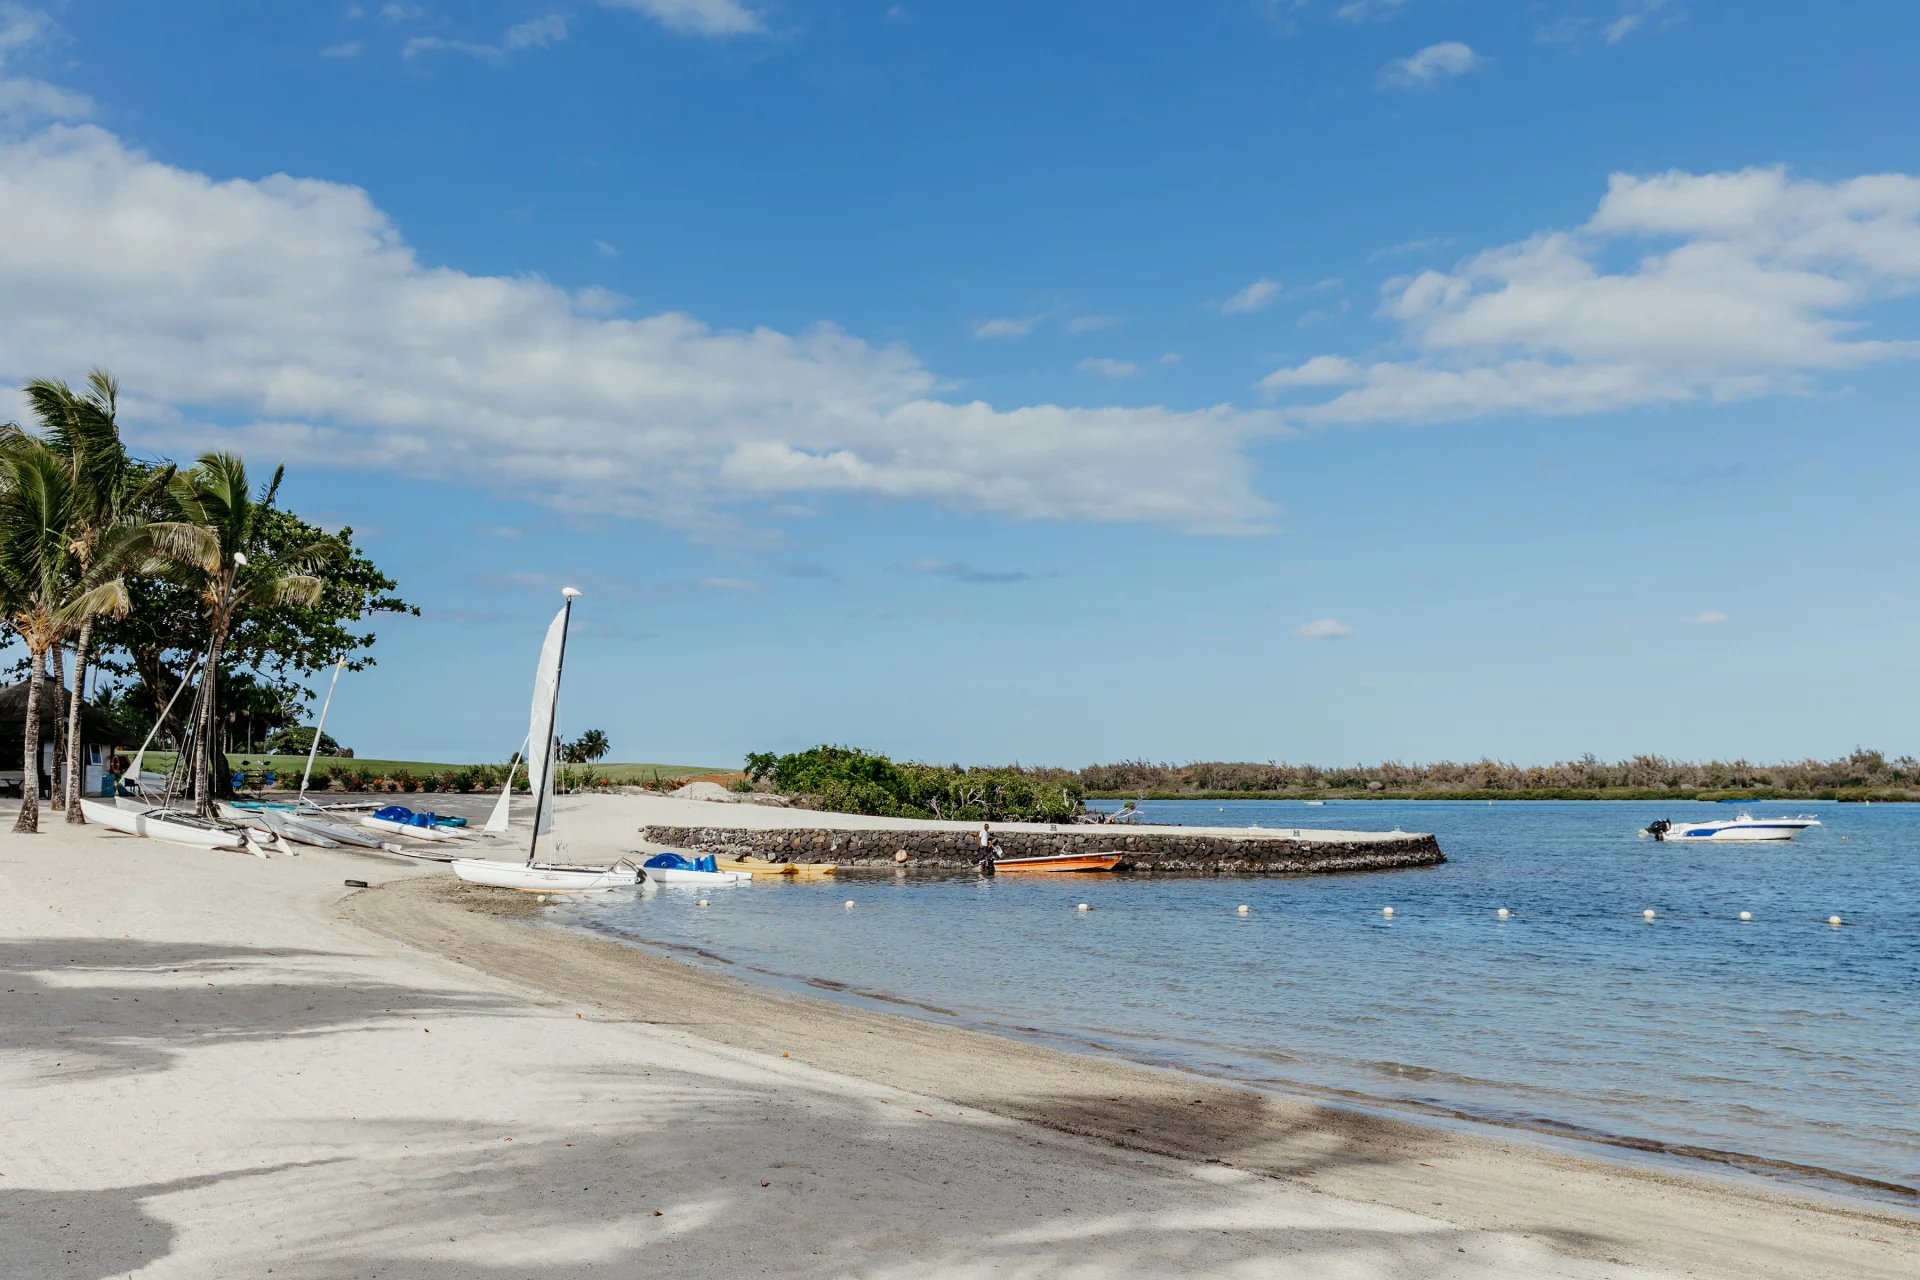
{"type": "Point", "coordinates": [1745, 916]}
{"type": "Point", "coordinates": [1243, 908]}
{"type": "Point", "coordinates": [899, 855]}
{"type": "Point", "coordinates": [1835, 921]}
{"type": "Point", "coordinates": [1083, 907]}
{"type": "Point", "coordinates": [701, 903]}
{"type": "Point", "coordinates": [848, 904]}
{"type": "Point", "coordinates": [1503, 913]}
{"type": "Point", "coordinates": [1386, 911]}
{"type": "Point", "coordinates": [1647, 914]}
{"type": "Point", "coordinates": [540, 898]}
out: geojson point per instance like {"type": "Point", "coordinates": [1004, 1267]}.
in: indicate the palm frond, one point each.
{"type": "Point", "coordinates": [108, 599]}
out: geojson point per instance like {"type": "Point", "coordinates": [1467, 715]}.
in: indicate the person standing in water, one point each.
{"type": "Point", "coordinates": [985, 861]}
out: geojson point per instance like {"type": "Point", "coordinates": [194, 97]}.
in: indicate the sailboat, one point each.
{"type": "Point", "coordinates": [533, 875]}
{"type": "Point", "coordinates": [138, 814]}
{"type": "Point", "coordinates": [303, 821]}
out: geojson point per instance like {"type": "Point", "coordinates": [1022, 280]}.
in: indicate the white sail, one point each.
{"type": "Point", "coordinates": [497, 820]}
{"type": "Point", "coordinates": [540, 744]}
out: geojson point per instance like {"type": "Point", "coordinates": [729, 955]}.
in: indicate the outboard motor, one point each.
{"type": "Point", "coordinates": [1658, 828]}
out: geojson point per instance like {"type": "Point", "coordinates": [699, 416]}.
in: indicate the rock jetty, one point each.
{"type": "Point", "coordinates": [1201, 853]}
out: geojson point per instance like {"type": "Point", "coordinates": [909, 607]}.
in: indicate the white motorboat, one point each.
{"type": "Point", "coordinates": [542, 755]}
{"type": "Point", "coordinates": [1745, 827]}
{"type": "Point", "coordinates": [164, 824]}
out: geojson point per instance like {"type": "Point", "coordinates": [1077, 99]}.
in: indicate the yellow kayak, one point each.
{"type": "Point", "coordinates": [798, 870]}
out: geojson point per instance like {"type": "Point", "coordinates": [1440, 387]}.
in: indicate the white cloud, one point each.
{"type": "Point", "coordinates": [1108, 367]}
{"type": "Point", "coordinates": [1170, 358]}
{"type": "Point", "coordinates": [350, 49]}
{"type": "Point", "coordinates": [1410, 247]}
{"type": "Point", "coordinates": [398, 12]}
{"type": "Point", "coordinates": [740, 585]}
{"type": "Point", "coordinates": [1006, 328]}
{"type": "Point", "coordinates": [289, 318]}
{"type": "Point", "coordinates": [1705, 618]}
{"type": "Point", "coordinates": [535, 33]}
{"type": "Point", "coordinates": [1430, 66]}
{"type": "Point", "coordinates": [1632, 19]}
{"type": "Point", "coordinates": [1368, 10]}
{"type": "Point", "coordinates": [1727, 286]}
{"type": "Point", "coordinates": [1320, 371]}
{"type": "Point", "coordinates": [697, 17]}
{"type": "Point", "coordinates": [24, 99]}
{"type": "Point", "coordinates": [1088, 324]}
{"type": "Point", "coordinates": [1322, 629]}
{"type": "Point", "coordinates": [605, 249]}
{"type": "Point", "coordinates": [1255, 297]}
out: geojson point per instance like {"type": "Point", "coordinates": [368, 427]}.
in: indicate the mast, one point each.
{"type": "Point", "coordinates": [313, 748]}
{"type": "Point", "coordinates": [553, 716]}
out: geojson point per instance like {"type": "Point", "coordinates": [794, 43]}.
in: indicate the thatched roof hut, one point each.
{"type": "Point", "coordinates": [95, 724]}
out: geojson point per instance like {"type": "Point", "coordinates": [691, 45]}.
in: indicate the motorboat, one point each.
{"type": "Point", "coordinates": [1745, 827]}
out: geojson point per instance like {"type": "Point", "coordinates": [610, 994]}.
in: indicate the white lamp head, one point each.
{"type": "Point", "coordinates": [240, 557]}
{"type": "Point", "coordinates": [571, 593]}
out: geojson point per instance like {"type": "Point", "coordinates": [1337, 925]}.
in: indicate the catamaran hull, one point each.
{"type": "Point", "coordinates": [676, 875]}
{"type": "Point", "coordinates": [542, 877]}
{"type": "Point", "coordinates": [160, 827]}
{"type": "Point", "coordinates": [408, 830]}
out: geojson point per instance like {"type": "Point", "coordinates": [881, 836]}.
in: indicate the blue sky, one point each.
{"type": "Point", "coordinates": [1325, 381]}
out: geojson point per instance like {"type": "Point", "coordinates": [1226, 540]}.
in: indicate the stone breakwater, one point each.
{"type": "Point", "coordinates": [1142, 852]}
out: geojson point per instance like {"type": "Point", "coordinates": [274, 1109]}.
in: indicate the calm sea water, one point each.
{"type": "Point", "coordinates": [1784, 1039]}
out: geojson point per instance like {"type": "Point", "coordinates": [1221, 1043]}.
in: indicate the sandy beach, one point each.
{"type": "Point", "coordinates": [212, 1065]}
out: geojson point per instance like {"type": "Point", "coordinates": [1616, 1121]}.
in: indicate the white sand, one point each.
{"type": "Point", "coordinates": [207, 1071]}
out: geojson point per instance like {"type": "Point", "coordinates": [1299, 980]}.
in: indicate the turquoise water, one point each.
{"type": "Point", "coordinates": [1778, 1043]}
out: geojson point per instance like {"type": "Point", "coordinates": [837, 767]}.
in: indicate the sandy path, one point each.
{"type": "Point", "coordinates": [206, 1071]}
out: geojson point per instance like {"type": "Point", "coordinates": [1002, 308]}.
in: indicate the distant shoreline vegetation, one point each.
{"type": "Point", "coordinates": [849, 780]}
{"type": "Point", "coordinates": [1860, 775]}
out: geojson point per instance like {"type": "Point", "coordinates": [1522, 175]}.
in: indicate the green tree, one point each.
{"type": "Point", "coordinates": [586, 748]}
{"type": "Point", "coordinates": [249, 573]}
{"type": "Point", "coordinates": [110, 495]}
{"type": "Point", "coordinates": [297, 740]}
{"type": "Point", "coordinates": [44, 590]}
{"type": "Point", "coordinates": [284, 644]}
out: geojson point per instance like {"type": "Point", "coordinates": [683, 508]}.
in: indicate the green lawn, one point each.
{"type": "Point", "coordinates": [289, 767]}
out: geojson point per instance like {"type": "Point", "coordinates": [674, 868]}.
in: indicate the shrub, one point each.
{"type": "Point", "coordinates": [460, 780]}
{"type": "Point", "coordinates": [318, 782]}
{"type": "Point", "coordinates": [404, 779]}
{"type": "Point", "coordinates": [429, 782]}
{"type": "Point", "coordinates": [365, 778]}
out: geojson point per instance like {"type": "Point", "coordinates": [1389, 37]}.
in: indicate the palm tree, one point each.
{"type": "Point", "coordinates": [44, 591]}
{"type": "Point", "coordinates": [216, 496]}
{"type": "Point", "coordinates": [585, 749]}
{"type": "Point", "coordinates": [109, 492]}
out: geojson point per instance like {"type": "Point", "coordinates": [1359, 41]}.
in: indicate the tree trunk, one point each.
{"type": "Point", "coordinates": [56, 791]}
{"type": "Point", "coordinates": [29, 820]}
{"type": "Point", "coordinates": [203, 751]}
{"type": "Point", "coordinates": [76, 749]}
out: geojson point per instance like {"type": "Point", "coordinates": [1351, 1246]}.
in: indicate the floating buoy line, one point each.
{"type": "Point", "coordinates": [1647, 914]}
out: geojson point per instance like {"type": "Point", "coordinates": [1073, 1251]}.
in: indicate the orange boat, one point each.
{"type": "Point", "coordinates": [1059, 862]}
